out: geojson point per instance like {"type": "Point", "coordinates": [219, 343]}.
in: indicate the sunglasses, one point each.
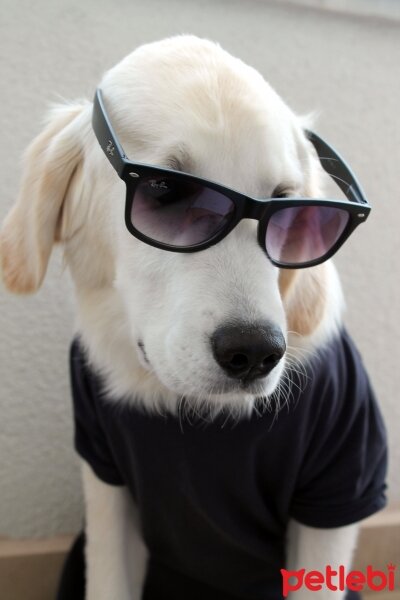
{"type": "Point", "coordinates": [179, 212]}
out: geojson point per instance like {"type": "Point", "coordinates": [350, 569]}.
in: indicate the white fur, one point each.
{"type": "Point", "coordinates": [185, 100]}
{"type": "Point", "coordinates": [313, 549]}
{"type": "Point", "coordinates": [115, 553]}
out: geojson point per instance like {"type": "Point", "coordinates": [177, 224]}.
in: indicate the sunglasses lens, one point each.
{"type": "Point", "coordinates": [301, 234]}
{"type": "Point", "coordinates": [178, 212]}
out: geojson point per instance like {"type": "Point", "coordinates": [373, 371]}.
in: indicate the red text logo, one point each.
{"type": "Point", "coordinates": [338, 579]}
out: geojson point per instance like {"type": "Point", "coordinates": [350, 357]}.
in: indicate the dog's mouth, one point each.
{"type": "Point", "coordinates": [143, 356]}
{"type": "Point", "coordinates": [262, 388]}
{"type": "Point", "coordinates": [233, 372]}
{"type": "Point", "coordinates": [218, 387]}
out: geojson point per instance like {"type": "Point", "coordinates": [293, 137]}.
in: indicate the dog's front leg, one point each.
{"type": "Point", "coordinates": [115, 552]}
{"type": "Point", "coordinates": [314, 549]}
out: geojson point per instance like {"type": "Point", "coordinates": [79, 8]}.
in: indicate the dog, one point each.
{"type": "Point", "coordinates": [229, 435]}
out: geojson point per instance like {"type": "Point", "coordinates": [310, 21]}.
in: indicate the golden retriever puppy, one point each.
{"type": "Point", "coordinates": [229, 435]}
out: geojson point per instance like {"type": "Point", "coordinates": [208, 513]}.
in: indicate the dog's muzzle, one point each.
{"type": "Point", "coordinates": [248, 352]}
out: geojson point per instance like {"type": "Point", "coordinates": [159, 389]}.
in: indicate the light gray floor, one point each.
{"type": "Point", "coordinates": [347, 69]}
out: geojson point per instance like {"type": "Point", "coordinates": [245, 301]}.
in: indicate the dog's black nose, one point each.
{"type": "Point", "coordinates": [248, 352]}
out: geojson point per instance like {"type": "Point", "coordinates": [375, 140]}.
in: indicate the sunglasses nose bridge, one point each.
{"type": "Point", "coordinates": [254, 209]}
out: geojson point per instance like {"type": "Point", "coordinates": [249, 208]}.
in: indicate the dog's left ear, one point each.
{"type": "Point", "coordinates": [36, 220]}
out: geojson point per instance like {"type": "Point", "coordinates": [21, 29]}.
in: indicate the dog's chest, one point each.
{"type": "Point", "coordinates": [208, 480]}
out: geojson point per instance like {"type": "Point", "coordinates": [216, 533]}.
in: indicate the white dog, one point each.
{"type": "Point", "coordinates": [196, 484]}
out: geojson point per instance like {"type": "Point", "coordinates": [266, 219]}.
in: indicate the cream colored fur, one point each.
{"type": "Point", "coordinates": [181, 100]}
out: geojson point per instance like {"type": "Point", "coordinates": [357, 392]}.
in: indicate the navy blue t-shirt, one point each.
{"type": "Point", "coordinates": [215, 497]}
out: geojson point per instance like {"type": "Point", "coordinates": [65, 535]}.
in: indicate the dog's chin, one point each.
{"type": "Point", "coordinates": [212, 395]}
{"type": "Point", "coordinates": [236, 403]}
{"type": "Point", "coordinates": [236, 389]}
{"type": "Point", "coordinates": [226, 396]}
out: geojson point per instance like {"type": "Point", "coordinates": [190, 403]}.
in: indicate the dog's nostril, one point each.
{"type": "Point", "coordinates": [248, 352]}
{"type": "Point", "coordinates": [272, 359]}
{"type": "Point", "coordinates": [239, 361]}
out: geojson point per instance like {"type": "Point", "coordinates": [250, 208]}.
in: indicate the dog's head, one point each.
{"type": "Point", "coordinates": [213, 326]}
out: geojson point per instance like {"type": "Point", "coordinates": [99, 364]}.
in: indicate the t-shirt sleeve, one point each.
{"type": "Point", "coordinates": [91, 440]}
{"type": "Point", "coordinates": [342, 479]}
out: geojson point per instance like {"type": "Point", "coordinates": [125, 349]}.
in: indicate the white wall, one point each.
{"type": "Point", "coordinates": [346, 68]}
{"type": "Point", "coordinates": [388, 9]}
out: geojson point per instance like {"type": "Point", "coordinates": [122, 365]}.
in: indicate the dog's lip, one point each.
{"type": "Point", "coordinates": [143, 351]}
{"type": "Point", "coordinates": [229, 386]}
{"type": "Point", "coordinates": [225, 386]}
{"type": "Point", "coordinates": [253, 388]}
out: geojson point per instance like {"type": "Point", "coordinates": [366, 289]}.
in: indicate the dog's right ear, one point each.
{"type": "Point", "coordinates": [36, 220]}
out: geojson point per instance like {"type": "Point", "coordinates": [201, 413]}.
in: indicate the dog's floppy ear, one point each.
{"type": "Point", "coordinates": [304, 293]}
{"type": "Point", "coordinates": [36, 220]}
{"type": "Point", "coordinates": [308, 293]}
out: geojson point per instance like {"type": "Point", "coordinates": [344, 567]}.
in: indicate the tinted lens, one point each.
{"type": "Point", "coordinates": [179, 212]}
{"type": "Point", "coordinates": [301, 234]}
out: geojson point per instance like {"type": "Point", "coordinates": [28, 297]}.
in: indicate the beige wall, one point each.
{"type": "Point", "coordinates": [348, 69]}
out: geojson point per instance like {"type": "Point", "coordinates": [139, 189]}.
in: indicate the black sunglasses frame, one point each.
{"type": "Point", "coordinates": [246, 207]}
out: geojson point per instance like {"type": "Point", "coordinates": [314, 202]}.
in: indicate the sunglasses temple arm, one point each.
{"type": "Point", "coordinates": [105, 134]}
{"type": "Point", "coordinates": [336, 168]}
